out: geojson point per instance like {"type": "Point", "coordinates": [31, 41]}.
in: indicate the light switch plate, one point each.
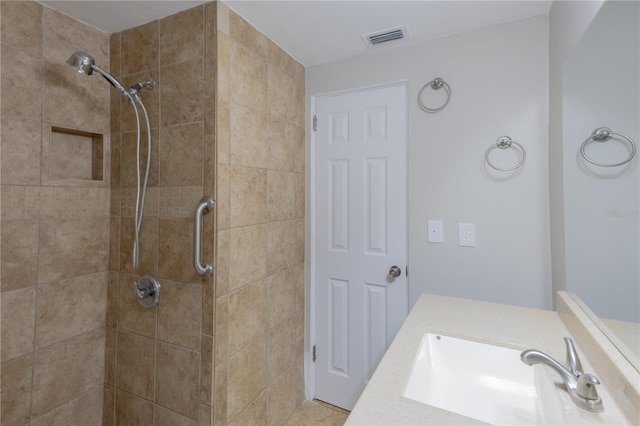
{"type": "Point", "coordinates": [435, 231]}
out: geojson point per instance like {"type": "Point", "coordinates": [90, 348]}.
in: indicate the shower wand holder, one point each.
{"type": "Point", "coordinates": [147, 291]}
{"type": "Point", "coordinates": [147, 84]}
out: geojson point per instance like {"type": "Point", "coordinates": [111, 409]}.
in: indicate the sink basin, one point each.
{"type": "Point", "coordinates": [485, 382]}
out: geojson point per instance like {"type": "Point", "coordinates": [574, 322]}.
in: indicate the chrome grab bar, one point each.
{"type": "Point", "coordinates": [204, 206]}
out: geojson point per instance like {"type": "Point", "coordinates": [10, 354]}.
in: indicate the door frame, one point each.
{"type": "Point", "coordinates": [310, 255]}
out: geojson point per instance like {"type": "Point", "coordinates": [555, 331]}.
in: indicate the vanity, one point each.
{"type": "Point", "coordinates": [385, 401]}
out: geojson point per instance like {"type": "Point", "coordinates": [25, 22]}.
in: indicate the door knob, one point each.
{"type": "Point", "coordinates": [394, 271]}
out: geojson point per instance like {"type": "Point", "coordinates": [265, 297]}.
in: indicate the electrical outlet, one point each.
{"type": "Point", "coordinates": [467, 234]}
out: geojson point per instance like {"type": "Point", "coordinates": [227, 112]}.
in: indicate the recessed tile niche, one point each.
{"type": "Point", "coordinates": [75, 155]}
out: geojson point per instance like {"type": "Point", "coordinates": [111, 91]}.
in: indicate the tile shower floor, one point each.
{"type": "Point", "coordinates": [317, 413]}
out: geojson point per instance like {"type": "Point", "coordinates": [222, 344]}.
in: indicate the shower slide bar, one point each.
{"type": "Point", "coordinates": [204, 206]}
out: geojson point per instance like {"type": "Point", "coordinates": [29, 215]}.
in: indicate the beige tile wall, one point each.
{"type": "Point", "coordinates": [54, 229]}
{"type": "Point", "coordinates": [260, 224]}
{"type": "Point", "coordinates": [159, 362]}
{"type": "Point", "coordinates": [157, 366]}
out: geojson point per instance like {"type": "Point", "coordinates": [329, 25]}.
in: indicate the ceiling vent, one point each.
{"type": "Point", "coordinates": [384, 36]}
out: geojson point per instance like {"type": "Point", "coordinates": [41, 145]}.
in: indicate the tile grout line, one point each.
{"type": "Point", "coordinates": [42, 109]}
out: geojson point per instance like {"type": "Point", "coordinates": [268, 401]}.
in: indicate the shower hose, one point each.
{"type": "Point", "coordinates": [140, 194]}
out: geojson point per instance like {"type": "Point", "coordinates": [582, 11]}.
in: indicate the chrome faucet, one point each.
{"type": "Point", "coordinates": [581, 386]}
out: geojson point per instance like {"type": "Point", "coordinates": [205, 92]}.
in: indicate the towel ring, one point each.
{"type": "Point", "coordinates": [603, 134]}
{"type": "Point", "coordinates": [505, 142]}
{"type": "Point", "coordinates": [436, 84]}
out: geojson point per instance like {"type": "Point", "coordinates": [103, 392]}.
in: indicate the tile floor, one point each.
{"type": "Point", "coordinates": [317, 413]}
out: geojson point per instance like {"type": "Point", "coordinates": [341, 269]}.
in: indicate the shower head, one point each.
{"type": "Point", "coordinates": [82, 62]}
{"type": "Point", "coordinates": [85, 64]}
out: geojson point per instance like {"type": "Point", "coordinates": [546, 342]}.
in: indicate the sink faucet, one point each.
{"type": "Point", "coordinates": [581, 386]}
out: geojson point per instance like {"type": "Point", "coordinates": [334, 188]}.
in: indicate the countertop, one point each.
{"type": "Point", "coordinates": [515, 327]}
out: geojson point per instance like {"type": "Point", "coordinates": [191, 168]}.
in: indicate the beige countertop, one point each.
{"type": "Point", "coordinates": [382, 402]}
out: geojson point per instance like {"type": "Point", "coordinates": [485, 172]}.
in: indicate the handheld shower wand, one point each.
{"type": "Point", "coordinates": [86, 64]}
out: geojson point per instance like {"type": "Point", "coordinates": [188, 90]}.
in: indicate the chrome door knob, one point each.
{"type": "Point", "coordinates": [394, 271]}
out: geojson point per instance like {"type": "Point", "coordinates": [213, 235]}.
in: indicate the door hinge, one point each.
{"type": "Point", "coordinates": [406, 271]}
{"type": "Point", "coordinates": [313, 354]}
{"type": "Point", "coordinates": [315, 122]}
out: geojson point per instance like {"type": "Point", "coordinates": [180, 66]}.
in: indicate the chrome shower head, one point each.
{"type": "Point", "coordinates": [85, 64]}
{"type": "Point", "coordinates": [82, 62]}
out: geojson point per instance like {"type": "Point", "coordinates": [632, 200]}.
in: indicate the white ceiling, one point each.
{"type": "Point", "coordinates": [115, 16]}
{"type": "Point", "coordinates": [319, 31]}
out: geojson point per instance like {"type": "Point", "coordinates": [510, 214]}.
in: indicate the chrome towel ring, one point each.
{"type": "Point", "coordinates": [436, 84]}
{"type": "Point", "coordinates": [505, 142]}
{"type": "Point", "coordinates": [603, 134]}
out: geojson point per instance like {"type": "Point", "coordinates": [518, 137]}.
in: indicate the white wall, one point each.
{"type": "Point", "coordinates": [602, 205]}
{"type": "Point", "coordinates": [499, 80]}
{"type": "Point", "coordinates": [568, 20]}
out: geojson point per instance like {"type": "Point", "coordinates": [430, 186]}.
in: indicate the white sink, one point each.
{"type": "Point", "coordinates": [485, 382]}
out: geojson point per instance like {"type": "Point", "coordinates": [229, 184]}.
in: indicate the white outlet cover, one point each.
{"type": "Point", "coordinates": [466, 234]}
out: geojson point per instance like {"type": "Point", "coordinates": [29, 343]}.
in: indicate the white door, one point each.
{"type": "Point", "coordinates": [360, 233]}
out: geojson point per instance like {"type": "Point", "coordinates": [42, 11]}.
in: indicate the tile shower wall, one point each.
{"type": "Point", "coordinates": [59, 363]}
{"type": "Point", "coordinates": [260, 227]}
{"type": "Point", "coordinates": [55, 231]}
{"type": "Point", "coordinates": [159, 362]}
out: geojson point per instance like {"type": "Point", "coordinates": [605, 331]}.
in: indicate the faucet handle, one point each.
{"type": "Point", "coordinates": [587, 386]}
{"type": "Point", "coordinates": [573, 361]}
